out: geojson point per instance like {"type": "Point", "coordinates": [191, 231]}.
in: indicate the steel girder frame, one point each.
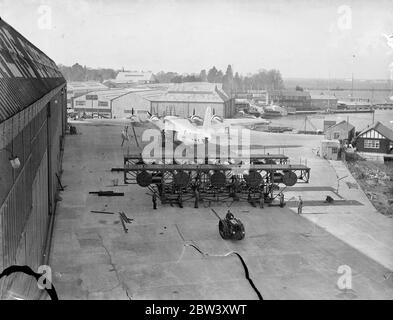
{"type": "Point", "coordinates": [198, 186]}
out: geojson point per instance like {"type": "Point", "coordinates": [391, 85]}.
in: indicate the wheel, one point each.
{"type": "Point", "coordinates": [223, 229]}
{"type": "Point", "coordinates": [240, 232]}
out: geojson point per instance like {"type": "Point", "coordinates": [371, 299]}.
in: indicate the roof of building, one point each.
{"type": "Point", "coordinates": [382, 129]}
{"type": "Point", "coordinates": [85, 85]}
{"type": "Point", "coordinates": [343, 124]}
{"type": "Point", "coordinates": [28, 75]}
{"type": "Point", "coordinates": [323, 97]}
{"type": "Point", "coordinates": [193, 92]}
{"type": "Point", "coordinates": [112, 94]}
{"type": "Point", "coordinates": [150, 94]}
{"type": "Point", "coordinates": [291, 93]}
{"type": "Point", "coordinates": [133, 76]}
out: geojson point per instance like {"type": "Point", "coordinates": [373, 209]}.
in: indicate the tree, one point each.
{"type": "Point", "coordinates": [78, 72]}
{"type": "Point", "coordinates": [212, 75]}
{"type": "Point", "coordinates": [203, 75]}
{"type": "Point", "coordinates": [237, 83]}
{"type": "Point", "coordinates": [177, 79]}
{"type": "Point", "coordinates": [166, 77]}
{"type": "Point", "coordinates": [227, 83]}
{"type": "Point", "coordinates": [299, 88]}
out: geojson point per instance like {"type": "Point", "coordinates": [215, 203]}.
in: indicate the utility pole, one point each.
{"type": "Point", "coordinates": [353, 66]}
{"type": "Point", "coordinates": [328, 90]}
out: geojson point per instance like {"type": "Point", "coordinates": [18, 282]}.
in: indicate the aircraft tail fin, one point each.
{"type": "Point", "coordinates": [207, 121]}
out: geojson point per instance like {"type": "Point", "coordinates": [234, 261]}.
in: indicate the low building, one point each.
{"type": "Point", "coordinates": [342, 131]}
{"type": "Point", "coordinates": [115, 103]}
{"type": "Point", "coordinates": [330, 149]}
{"type": "Point", "coordinates": [375, 139]}
{"type": "Point", "coordinates": [323, 102]}
{"type": "Point", "coordinates": [126, 79]}
{"type": "Point", "coordinates": [327, 124]}
{"type": "Point", "coordinates": [300, 100]}
{"type": "Point", "coordinates": [135, 102]}
{"type": "Point", "coordinates": [193, 98]}
{"type": "Point", "coordinates": [242, 105]}
{"type": "Point", "coordinates": [76, 89]}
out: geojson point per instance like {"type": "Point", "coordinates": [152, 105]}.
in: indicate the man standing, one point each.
{"type": "Point", "coordinates": [154, 198]}
{"type": "Point", "coordinates": [300, 206]}
{"type": "Point", "coordinates": [282, 200]}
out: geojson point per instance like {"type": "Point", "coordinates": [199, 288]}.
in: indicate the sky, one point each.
{"type": "Point", "coordinates": [301, 38]}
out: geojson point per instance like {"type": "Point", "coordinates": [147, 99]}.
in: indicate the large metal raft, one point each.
{"type": "Point", "coordinates": [263, 180]}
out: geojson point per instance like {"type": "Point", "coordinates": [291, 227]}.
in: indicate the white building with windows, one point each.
{"type": "Point", "coordinates": [115, 103]}
{"type": "Point", "coordinates": [193, 98]}
{"type": "Point", "coordinates": [375, 139]}
{"type": "Point", "coordinates": [131, 78]}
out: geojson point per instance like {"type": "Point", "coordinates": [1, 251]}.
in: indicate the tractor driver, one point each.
{"type": "Point", "coordinates": [229, 216]}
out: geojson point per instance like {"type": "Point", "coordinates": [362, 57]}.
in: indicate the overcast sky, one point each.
{"type": "Point", "coordinates": [301, 38]}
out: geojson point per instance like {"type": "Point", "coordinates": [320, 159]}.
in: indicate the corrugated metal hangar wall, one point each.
{"type": "Point", "coordinates": [32, 127]}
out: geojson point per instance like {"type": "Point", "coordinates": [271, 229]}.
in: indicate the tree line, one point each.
{"type": "Point", "coordinates": [82, 73]}
{"type": "Point", "coordinates": [232, 82]}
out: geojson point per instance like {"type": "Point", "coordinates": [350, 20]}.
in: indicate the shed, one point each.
{"type": "Point", "coordinates": [377, 138]}
{"type": "Point", "coordinates": [330, 149]}
{"type": "Point", "coordinates": [342, 131]}
{"type": "Point", "coordinates": [327, 124]}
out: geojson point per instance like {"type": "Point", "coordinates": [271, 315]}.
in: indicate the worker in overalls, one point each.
{"type": "Point", "coordinates": [281, 199]}
{"type": "Point", "coordinates": [300, 205]}
{"type": "Point", "coordinates": [229, 216]}
{"type": "Point", "coordinates": [196, 194]}
{"type": "Point", "coordinates": [154, 198]}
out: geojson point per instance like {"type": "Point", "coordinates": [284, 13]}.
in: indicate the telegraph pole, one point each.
{"type": "Point", "coordinates": [353, 66]}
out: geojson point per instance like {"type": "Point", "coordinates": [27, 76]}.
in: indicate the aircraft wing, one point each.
{"type": "Point", "coordinates": [157, 122]}
{"type": "Point", "coordinates": [171, 123]}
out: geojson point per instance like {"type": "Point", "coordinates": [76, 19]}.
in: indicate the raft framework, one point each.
{"type": "Point", "coordinates": [263, 180]}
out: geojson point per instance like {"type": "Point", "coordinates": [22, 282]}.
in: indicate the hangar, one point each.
{"type": "Point", "coordinates": [193, 98]}
{"type": "Point", "coordinates": [115, 103]}
{"type": "Point", "coordinates": [33, 101]}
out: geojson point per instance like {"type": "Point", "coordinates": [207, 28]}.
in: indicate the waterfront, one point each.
{"type": "Point", "coordinates": [359, 120]}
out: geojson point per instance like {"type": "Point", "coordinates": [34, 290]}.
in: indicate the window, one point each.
{"type": "Point", "coordinates": [102, 103]}
{"type": "Point", "coordinates": [336, 135]}
{"type": "Point", "coordinates": [334, 150]}
{"type": "Point", "coordinates": [80, 103]}
{"type": "Point", "coordinates": [371, 144]}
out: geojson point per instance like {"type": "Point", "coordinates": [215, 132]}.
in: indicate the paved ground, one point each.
{"type": "Point", "coordinates": [288, 256]}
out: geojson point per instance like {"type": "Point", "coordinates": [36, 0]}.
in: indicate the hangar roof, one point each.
{"type": "Point", "coordinates": [85, 85]}
{"type": "Point", "coordinates": [193, 92]}
{"type": "Point", "coordinates": [26, 73]}
{"type": "Point", "coordinates": [112, 94]}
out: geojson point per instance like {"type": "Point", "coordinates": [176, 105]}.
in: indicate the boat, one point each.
{"type": "Point", "coordinates": [273, 111]}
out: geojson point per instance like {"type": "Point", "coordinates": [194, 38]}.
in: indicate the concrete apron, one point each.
{"type": "Point", "coordinates": [288, 256]}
